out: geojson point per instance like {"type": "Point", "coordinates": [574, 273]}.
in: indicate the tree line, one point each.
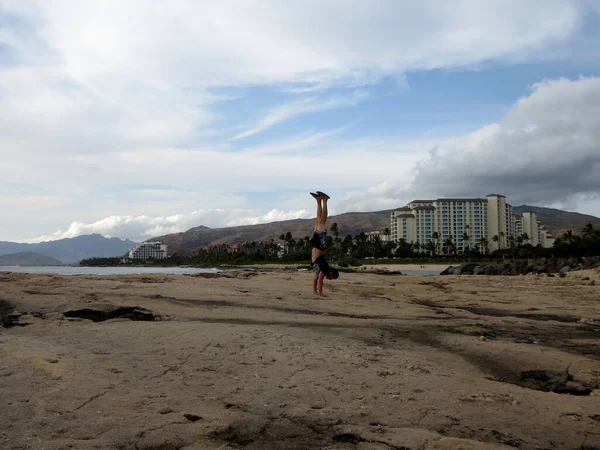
{"type": "Point", "coordinates": [350, 249]}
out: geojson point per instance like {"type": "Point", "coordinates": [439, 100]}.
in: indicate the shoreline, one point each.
{"type": "Point", "coordinates": [401, 267]}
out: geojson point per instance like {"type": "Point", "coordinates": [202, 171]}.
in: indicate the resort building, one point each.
{"type": "Point", "coordinates": [460, 221]}
{"type": "Point", "coordinates": [536, 232]}
{"type": "Point", "coordinates": [476, 223]}
{"type": "Point", "coordinates": [531, 227]}
{"type": "Point", "coordinates": [148, 250]}
{"type": "Point", "coordinates": [383, 236]}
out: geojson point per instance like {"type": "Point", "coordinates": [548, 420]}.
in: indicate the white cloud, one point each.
{"type": "Point", "coordinates": [110, 109]}
{"type": "Point", "coordinates": [140, 228]}
{"type": "Point", "coordinates": [298, 107]}
{"type": "Point", "coordinates": [128, 72]}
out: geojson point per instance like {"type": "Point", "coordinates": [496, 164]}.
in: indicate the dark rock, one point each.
{"type": "Point", "coordinates": [565, 269]}
{"type": "Point", "coordinates": [539, 266]}
{"type": "Point", "coordinates": [551, 381]}
{"type": "Point", "coordinates": [108, 312]}
{"type": "Point", "coordinates": [192, 417]}
{"type": "Point", "coordinates": [447, 271]}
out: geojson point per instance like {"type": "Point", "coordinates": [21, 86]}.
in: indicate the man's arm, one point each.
{"type": "Point", "coordinates": [320, 287]}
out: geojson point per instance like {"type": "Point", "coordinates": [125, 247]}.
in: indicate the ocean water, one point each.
{"type": "Point", "coordinates": [69, 270]}
{"type": "Point", "coordinates": [421, 272]}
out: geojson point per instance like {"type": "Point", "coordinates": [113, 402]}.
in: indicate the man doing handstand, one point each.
{"type": "Point", "coordinates": [319, 264]}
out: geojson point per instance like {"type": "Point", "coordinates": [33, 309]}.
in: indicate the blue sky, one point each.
{"type": "Point", "coordinates": [135, 121]}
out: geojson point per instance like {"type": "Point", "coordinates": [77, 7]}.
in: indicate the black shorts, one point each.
{"type": "Point", "coordinates": [319, 240]}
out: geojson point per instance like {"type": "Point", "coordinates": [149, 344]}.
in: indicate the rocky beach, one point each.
{"type": "Point", "coordinates": [251, 359]}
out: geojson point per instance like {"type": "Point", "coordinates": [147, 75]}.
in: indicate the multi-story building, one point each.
{"type": "Point", "coordinates": [546, 238]}
{"type": "Point", "coordinates": [531, 227]}
{"type": "Point", "coordinates": [453, 219]}
{"type": "Point", "coordinates": [518, 224]}
{"type": "Point", "coordinates": [382, 235]}
{"type": "Point", "coordinates": [465, 222]}
{"type": "Point", "coordinates": [535, 231]}
{"type": "Point", "coordinates": [148, 250]}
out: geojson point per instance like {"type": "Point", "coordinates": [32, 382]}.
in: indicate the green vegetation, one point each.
{"type": "Point", "coordinates": [587, 243]}
{"type": "Point", "coordinates": [98, 262]}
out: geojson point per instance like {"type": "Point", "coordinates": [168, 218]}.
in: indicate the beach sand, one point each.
{"type": "Point", "coordinates": [253, 360]}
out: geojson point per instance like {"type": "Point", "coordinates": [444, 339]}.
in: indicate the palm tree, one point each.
{"type": "Point", "coordinates": [467, 239]}
{"type": "Point", "coordinates": [512, 243]}
{"type": "Point", "coordinates": [502, 242]}
{"type": "Point", "coordinates": [435, 240]}
{"type": "Point", "coordinates": [496, 239]}
{"type": "Point", "coordinates": [448, 244]}
{"type": "Point", "coordinates": [587, 230]}
{"type": "Point", "coordinates": [519, 240]}
{"type": "Point", "coordinates": [568, 237]}
{"type": "Point", "coordinates": [435, 237]}
{"type": "Point", "coordinates": [334, 229]}
{"type": "Point", "coordinates": [431, 247]}
{"type": "Point", "coordinates": [417, 246]}
{"type": "Point", "coordinates": [484, 244]}
{"type": "Point", "coordinates": [336, 237]}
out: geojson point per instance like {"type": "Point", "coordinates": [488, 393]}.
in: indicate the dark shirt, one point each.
{"type": "Point", "coordinates": [323, 265]}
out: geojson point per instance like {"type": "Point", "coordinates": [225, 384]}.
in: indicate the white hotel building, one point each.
{"type": "Point", "coordinates": [148, 250]}
{"type": "Point", "coordinates": [489, 218]}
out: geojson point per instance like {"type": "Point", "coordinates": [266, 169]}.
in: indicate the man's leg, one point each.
{"type": "Point", "coordinates": [324, 211]}
{"type": "Point", "coordinates": [321, 222]}
{"type": "Point", "coordinates": [319, 214]}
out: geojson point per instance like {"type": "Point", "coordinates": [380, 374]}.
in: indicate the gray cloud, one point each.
{"type": "Point", "coordinates": [545, 151]}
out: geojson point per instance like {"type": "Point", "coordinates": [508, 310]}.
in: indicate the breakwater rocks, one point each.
{"type": "Point", "coordinates": [524, 266]}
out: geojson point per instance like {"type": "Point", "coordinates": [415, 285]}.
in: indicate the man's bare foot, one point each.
{"type": "Point", "coordinates": [317, 196]}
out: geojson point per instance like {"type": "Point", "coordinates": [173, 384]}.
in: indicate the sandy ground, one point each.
{"type": "Point", "coordinates": [253, 360]}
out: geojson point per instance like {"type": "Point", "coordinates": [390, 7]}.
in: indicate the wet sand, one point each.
{"type": "Point", "coordinates": [254, 360]}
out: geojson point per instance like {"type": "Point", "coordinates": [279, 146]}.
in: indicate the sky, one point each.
{"type": "Point", "coordinates": [137, 119]}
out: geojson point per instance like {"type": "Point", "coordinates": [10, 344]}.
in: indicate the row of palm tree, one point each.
{"type": "Point", "coordinates": [361, 245]}
{"type": "Point", "coordinates": [586, 243]}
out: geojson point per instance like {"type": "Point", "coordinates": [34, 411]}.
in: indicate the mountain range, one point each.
{"type": "Point", "coordinates": [187, 243]}
{"type": "Point", "coordinates": [71, 250]}
{"type": "Point", "coordinates": [28, 259]}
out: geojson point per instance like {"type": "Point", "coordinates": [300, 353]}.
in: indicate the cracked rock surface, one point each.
{"type": "Point", "coordinates": [257, 362]}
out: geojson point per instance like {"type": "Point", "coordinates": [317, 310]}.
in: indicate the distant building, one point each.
{"type": "Point", "coordinates": [383, 237]}
{"type": "Point", "coordinates": [148, 250]}
{"type": "Point", "coordinates": [467, 222]}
